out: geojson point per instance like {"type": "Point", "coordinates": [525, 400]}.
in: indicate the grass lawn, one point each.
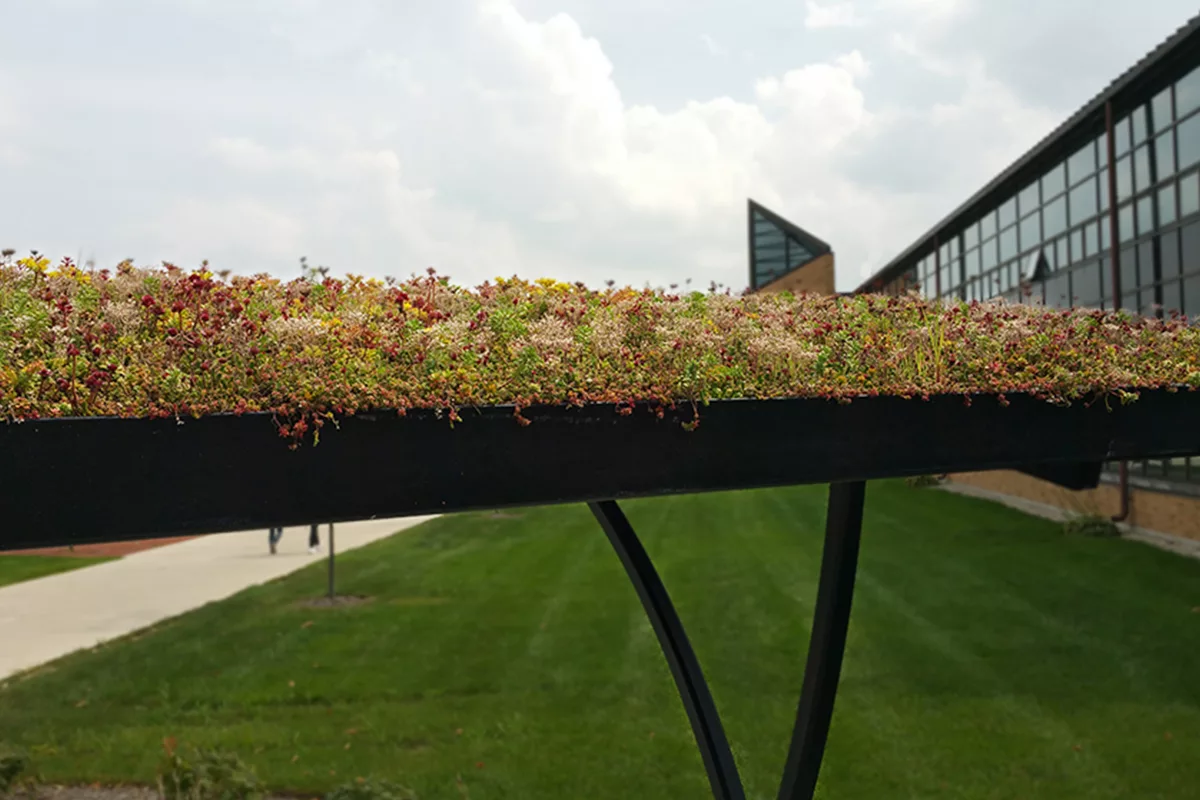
{"type": "Point", "coordinates": [14, 569]}
{"type": "Point", "coordinates": [506, 656]}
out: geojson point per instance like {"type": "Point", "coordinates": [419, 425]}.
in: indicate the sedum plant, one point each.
{"type": "Point", "coordinates": [163, 342]}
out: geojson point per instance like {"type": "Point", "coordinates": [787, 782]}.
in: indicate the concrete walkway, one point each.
{"type": "Point", "coordinates": [1163, 541]}
{"type": "Point", "coordinates": [46, 618]}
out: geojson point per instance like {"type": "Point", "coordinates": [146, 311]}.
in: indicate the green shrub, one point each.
{"type": "Point", "coordinates": [371, 789]}
{"type": "Point", "coordinates": [16, 773]}
{"type": "Point", "coordinates": [1094, 525]}
{"type": "Point", "coordinates": [206, 775]}
{"type": "Point", "coordinates": [921, 481]}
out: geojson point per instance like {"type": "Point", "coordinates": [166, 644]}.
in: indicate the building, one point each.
{"type": "Point", "coordinates": [1124, 169]}
{"type": "Point", "coordinates": [785, 257]}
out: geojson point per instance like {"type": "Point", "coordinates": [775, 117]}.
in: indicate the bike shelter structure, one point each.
{"type": "Point", "coordinates": [229, 472]}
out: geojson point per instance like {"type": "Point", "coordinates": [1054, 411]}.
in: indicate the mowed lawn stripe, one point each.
{"type": "Point", "coordinates": [989, 657]}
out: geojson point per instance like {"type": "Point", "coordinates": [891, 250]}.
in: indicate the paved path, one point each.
{"type": "Point", "coordinates": [46, 618]}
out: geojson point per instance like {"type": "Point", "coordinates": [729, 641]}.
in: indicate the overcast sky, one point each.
{"type": "Point", "coordinates": [577, 139]}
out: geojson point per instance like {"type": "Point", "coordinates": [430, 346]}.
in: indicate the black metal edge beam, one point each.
{"type": "Point", "coordinates": [827, 642]}
{"type": "Point", "coordinates": [685, 668]}
{"type": "Point", "coordinates": [1074, 476]}
{"type": "Point", "coordinates": [77, 481]}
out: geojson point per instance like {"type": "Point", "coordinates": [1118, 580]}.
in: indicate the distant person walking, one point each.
{"type": "Point", "coordinates": [276, 533]}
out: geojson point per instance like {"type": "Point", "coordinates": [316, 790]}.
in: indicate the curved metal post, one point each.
{"type": "Point", "coordinates": [831, 618]}
{"type": "Point", "coordinates": [689, 678]}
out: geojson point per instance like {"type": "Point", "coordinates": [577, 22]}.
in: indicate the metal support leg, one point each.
{"type": "Point", "coordinates": [831, 618]}
{"type": "Point", "coordinates": [697, 700]}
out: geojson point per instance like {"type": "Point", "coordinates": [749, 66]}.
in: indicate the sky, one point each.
{"type": "Point", "coordinates": [583, 140]}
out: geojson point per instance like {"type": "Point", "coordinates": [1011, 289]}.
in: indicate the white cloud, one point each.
{"type": "Point", "coordinates": [485, 141]}
{"type": "Point", "coordinates": [392, 67]}
{"type": "Point", "coordinates": [831, 14]}
{"type": "Point", "coordinates": [714, 49]}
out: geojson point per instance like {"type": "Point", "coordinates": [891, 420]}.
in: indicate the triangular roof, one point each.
{"type": "Point", "coordinates": [777, 246]}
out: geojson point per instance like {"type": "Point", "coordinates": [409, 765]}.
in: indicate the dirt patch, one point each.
{"type": "Point", "coordinates": [337, 601]}
{"type": "Point", "coordinates": [101, 549]}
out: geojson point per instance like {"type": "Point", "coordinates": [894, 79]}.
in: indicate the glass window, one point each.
{"type": "Point", "coordinates": [1058, 291]}
{"type": "Point", "coordinates": [1125, 222]}
{"type": "Point", "coordinates": [1008, 243]}
{"type": "Point", "coordinates": [1061, 258]}
{"type": "Point", "coordinates": [987, 254]}
{"type": "Point", "coordinates": [1102, 179]}
{"type": "Point", "coordinates": [1008, 212]}
{"type": "Point", "coordinates": [1124, 178]}
{"type": "Point", "coordinates": [1171, 298]}
{"type": "Point", "coordinates": [1189, 248]}
{"type": "Point", "coordinates": [1146, 297]}
{"type": "Point", "coordinates": [1102, 152]}
{"type": "Point", "coordinates": [971, 236]}
{"type": "Point", "coordinates": [1139, 125]}
{"type": "Point", "coordinates": [1161, 109]}
{"type": "Point", "coordinates": [1166, 205]}
{"type": "Point", "coordinates": [1091, 238]}
{"type": "Point", "coordinates": [972, 260]}
{"type": "Point", "coordinates": [1189, 195]}
{"type": "Point", "coordinates": [1085, 285]}
{"type": "Point", "coordinates": [1083, 201]}
{"type": "Point", "coordinates": [987, 225]}
{"type": "Point", "coordinates": [1054, 218]}
{"type": "Point", "coordinates": [1191, 297]}
{"type": "Point", "coordinates": [1121, 136]}
{"type": "Point", "coordinates": [1128, 268]}
{"type": "Point", "coordinates": [1189, 142]}
{"type": "Point", "coordinates": [1164, 154]}
{"type": "Point", "coordinates": [1031, 230]}
{"type": "Point", "coordinates": [1076, 244]}
{"type": "Point", "coordinates": [1028, 199]}
{"type": "Point", "coordinates": [1082, 164]}
{"type": "Point", "coordinates": [1145, 214]}
{"type": "Point", "coordinates": [1187, 94]}
{"type": "Point", "coordinates": [1146, 270]}
{"type": "Point", "coordinates": [954, 247]}
{"type": "Point", "coordinates": [1054, 181]}
{"type": "Point", "coordinates": [1105, 234]}
{"type": "Point", "coordinates": [1141, 168]}
{"type": "Point", "coordinates": [1168, 248]}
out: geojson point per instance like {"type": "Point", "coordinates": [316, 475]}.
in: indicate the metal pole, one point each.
{"type": "Point", "coordinates": [827, 643]}
{"type": "Point", "coordinates": [689, 678]}
{"type": "Point", "coordinates": [331, 591]}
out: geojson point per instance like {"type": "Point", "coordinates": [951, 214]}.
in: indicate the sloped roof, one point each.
{"type": "Point", "coordinates": [1125, 91]}
{"type": "Point", "coordinates": [777, 246]}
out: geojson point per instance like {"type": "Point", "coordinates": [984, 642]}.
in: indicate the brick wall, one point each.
{"type": "Point", "coordinates": [815, 276]}
{"type": "Point", "coordinates": [1156, 511]}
